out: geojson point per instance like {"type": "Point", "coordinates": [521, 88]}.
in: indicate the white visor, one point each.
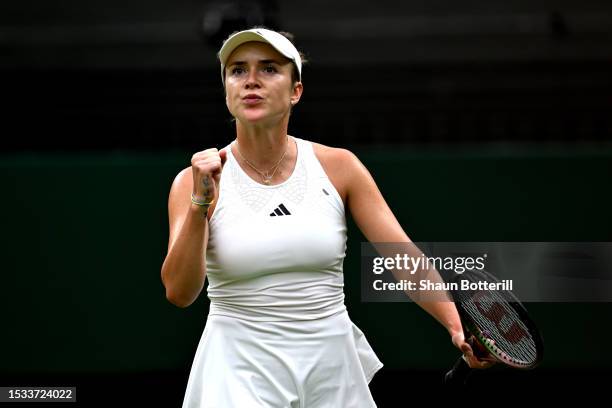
{"type": "Point", "coordinates": [276, 40]}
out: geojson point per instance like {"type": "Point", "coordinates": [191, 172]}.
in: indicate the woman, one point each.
{"type": "Point", "coordinates": [266, 224]}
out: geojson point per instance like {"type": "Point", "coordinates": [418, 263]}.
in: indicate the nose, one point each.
{"type": "Point", "coordinates": [252, 80]}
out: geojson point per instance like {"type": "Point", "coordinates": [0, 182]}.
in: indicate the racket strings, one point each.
{"type": "Point", "coordinates": [501, 328]}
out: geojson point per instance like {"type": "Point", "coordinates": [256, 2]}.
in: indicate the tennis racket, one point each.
{"type": "Point", "coordinates": [496, 324]}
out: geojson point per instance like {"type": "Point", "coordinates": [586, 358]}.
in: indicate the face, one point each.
{"type": "Point", "coordinates": [258, 85]}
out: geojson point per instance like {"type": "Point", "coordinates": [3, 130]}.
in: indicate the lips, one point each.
{"type": "Point", "coordinates": [251, 99]}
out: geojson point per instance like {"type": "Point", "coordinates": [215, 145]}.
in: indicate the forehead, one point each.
{"type": "Point", "coordinates": [254, 50]}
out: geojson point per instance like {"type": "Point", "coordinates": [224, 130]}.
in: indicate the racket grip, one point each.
{"type": "Point", "coordinates": [459, 374]}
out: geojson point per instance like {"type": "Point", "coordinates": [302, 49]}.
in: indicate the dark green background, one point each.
{"type": "Point", "coordinates": [84, 237]}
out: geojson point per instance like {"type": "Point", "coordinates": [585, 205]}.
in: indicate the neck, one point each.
{"type": "Point", "coordinates": [262, 146]}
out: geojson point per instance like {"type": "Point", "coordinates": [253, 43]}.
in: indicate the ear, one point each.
{"type": "Point", "coordinates": [298, 89]}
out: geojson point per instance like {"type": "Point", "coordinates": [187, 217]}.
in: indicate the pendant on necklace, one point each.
{"type": "Point", "coordinates": [266, 179]}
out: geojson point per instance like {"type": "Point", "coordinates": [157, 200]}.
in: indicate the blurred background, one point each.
{"type": "Point", "coordinates": [480, 121]}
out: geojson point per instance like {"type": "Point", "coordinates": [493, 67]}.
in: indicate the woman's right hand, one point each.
{"type": "Point", "coordinates": [206, 167]}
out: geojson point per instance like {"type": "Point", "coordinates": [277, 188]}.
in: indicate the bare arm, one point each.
{"type": "Point", "coordinates": [379, 225]}
{"type": "Point", "coordinates": [184, 270]}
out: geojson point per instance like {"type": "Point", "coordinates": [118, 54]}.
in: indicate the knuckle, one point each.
{"type": "Point", "coordinates": [204, 152]}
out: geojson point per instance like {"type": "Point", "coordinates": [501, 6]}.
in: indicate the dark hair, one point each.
{"type": "Point", "coordinates": [295, 75]}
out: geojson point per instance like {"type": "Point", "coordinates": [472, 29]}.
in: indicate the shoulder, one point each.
{"type": "Point", "coordinates": [336, 159]}
{"type": "Point", "coordinates": [339, 165]}
{"type": "Point", "coordinates": [184, 176]}
{"type": "Point", "coordinates": [332, 154]}
{"type": "Point", "coordinates": [182, 182]}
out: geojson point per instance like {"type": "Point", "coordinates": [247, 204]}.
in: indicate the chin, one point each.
{"type": "Point", "coordinates": [259, 116]}
{"type": "Point", "coordinates": [253, 119]}
{"type": "Point", "coordinates": [254, 116]}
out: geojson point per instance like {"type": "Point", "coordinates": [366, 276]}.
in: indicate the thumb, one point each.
{"type": "Point", "coordinates": [466, 349]}
{"type": "Point", "coordinates": [217, 173]}
{"type": "Point", "coordinates": [223, 156]}
{"type": "Point", "coordinates": [460, 342]}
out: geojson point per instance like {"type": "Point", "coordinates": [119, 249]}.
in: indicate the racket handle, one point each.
{"type": "Point", "coordinates": [459, 374]}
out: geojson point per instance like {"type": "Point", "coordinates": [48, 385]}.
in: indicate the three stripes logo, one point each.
{"type": "Point", "coordinates": [280, 210]}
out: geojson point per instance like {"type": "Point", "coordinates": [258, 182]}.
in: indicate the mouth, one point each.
{"type": "Point", "coordinates": [251, 99]}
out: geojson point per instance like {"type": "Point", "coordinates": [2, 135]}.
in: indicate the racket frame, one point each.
{"type": "Point", "coordinates": [471, 328]}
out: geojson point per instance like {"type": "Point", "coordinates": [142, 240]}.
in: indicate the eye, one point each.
{"type": "Point", "coordinates": [237, 71]}
{"type": "Point", "coordinates": [270, 69]}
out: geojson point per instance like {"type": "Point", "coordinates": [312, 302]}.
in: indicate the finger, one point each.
{"type": "Point", "coordinates": [489, 358]}
{"type": "Point", "coordinates": [474, 362]}
{"type": "Point", "coordinates": [205, 153]}
{"type": "Point", "coordinates": [463, 344]}
{"type": "Point", "coordinates": [458, 338]}
{"type": "Point", "coordinates": [208, 166]}
{"type": "Point", "coordinates": [214, 164]}
{"type": "Point", "coordinates": [466, 349]}
{"type": "Point", "coordinates": [217, 173]}
{"type": "Point", "coordinates": [206, 159]}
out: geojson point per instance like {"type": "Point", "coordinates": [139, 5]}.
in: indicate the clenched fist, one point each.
{"type": "Point", "coordinates": [206, 168]}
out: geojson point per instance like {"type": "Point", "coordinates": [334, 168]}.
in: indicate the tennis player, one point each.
{"type": "Point", "coordinates": [263, 219]}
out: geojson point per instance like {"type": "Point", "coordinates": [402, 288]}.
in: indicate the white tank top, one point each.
{"type": "Point", "coordinates": [275, 253]}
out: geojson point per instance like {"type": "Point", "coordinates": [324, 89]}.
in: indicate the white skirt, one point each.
{"type": "Point", "coordinates": [323, 363]}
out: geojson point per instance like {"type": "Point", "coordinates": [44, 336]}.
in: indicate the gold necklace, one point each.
{"type": "Point", "coordinates": [266, 176]}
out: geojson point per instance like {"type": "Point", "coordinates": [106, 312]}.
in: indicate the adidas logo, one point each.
{"type": "Point", "coordinates": [280, 210]}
